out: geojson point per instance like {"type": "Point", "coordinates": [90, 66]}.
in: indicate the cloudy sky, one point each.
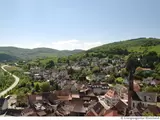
{"type": "Point", "coordinates": [76, 24]}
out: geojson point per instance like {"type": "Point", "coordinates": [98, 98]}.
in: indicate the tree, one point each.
{"type": "Point", "coordinates": [50, 64]}
{"type": "Point", "coordinates": [51, 82]}
{"type": "Point", "coordinates": [45, 87]}
{"type": "Point", "coordinates": [158, 68]}
{"type": "Point", "coordinates": [111, 79]}
{"type": "Point", "coordinates": [32, 84]}
{"type": "Point", "coordinates": [132, 63]}
{"type": "Point", "coordinates": [119, 80]}
{"type": "Point", "coordinates": [123, 72]}
{"type": "Point", "coordinates": [150, 59]}
{"type": "Point", "coordinates": [95, 69]}
{"type": "Point", "coordinates": [37, 88]}
{"type": "Point", "coordinates": [27, 66]}
{"type": "Point", "coordinates": [56, 86]}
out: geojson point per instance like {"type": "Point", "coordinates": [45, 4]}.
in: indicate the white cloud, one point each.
{"type": "Point", "coordinates": [59, 45]}
{"type": "Point", "coordinates": [74, 44]}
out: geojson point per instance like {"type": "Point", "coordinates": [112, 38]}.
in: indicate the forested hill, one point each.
{"type": "Point", "coordinates": [5, 57]}
{"type": "Point", "coordinates": [127, 46]}
{"type": "Point", "coordinates": [139, 45]}
{"type": "Point", "coordinates": [13, 53]}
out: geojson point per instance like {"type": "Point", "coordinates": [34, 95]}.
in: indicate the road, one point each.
{"type": "Point", "coordinates": [13, 85]}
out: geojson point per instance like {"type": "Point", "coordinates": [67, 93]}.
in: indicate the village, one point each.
{"type": "Point", "coordinates": [97, 94]}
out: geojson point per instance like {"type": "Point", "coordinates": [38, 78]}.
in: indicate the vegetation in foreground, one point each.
{"type": "Point", "coordinates": [6, 80]}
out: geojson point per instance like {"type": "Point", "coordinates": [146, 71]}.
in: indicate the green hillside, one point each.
{"type": "Point", "coordinates": [133, 45]}
{"type": "Point", "coordinates": [4, 57]}
{"type": "Point", "coordinates": [21, 53]}
{"type": "Point", "coordinates": [116, 48]}
{"type": "Point", "coordinates": [139, 45]}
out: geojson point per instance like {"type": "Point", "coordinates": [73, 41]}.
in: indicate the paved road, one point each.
{"type": "Point", "coordinates": [13, 85]}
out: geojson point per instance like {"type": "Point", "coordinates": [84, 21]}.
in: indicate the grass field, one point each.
{"type": "Point", "coordinates": [12, 68]}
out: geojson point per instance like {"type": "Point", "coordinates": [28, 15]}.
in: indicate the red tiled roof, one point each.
{"type": "Point", "coordinates": [90, 113]}
{"type": "Point", "coordinates": [111, 93]}
{"type": "Point", "coordinates": [111, 113]}
{"type": "Point", "coordinates": [157, 82]}
{"type": "Point", "coordinates": [75, 96]}
{"type": "Point", "coordinates": [63, 95]}
{"type": "Point", "coordinates": [33, 98]}
{"type": "Point", "coordinates": [42, 113]}
{"type": "Point", "coordinates": [144, 69]}
{"type": "Point", "coordinates": [136, 87]}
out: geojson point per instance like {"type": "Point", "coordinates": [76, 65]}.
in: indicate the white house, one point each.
{"type": "Point", "coordinates": [111, 97]}
{"type": "Point", "coordinates": [147, 80]}
{"type": "Point", "coordinates": [144, 98]}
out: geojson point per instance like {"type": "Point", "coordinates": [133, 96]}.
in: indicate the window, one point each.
{"type": "Point", "coordinates": [133, 104]}
{"type": "Point", "coordinates": [145, 98]}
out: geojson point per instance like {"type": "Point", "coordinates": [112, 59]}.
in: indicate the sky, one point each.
{"type": "Point", "coordinates": [76, 24]}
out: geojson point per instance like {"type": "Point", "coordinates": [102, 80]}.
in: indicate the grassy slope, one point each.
{"type": "Point", "coordinates": [131, 45]}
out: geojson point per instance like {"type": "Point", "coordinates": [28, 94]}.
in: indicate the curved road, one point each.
{"type": "Point", "coordinates": [13, 85]}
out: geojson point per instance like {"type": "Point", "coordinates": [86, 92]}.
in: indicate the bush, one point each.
{"type": "Point", "coordinates": [119, 80]}
{"type": "Point", "coordinates": [152, 89]}
{"type": "Point", "coordinates": [45, 87]}
{"type": "Point", "coordinates": [95, 69]}
{"type": "Point", "coordinates": [111, 79]}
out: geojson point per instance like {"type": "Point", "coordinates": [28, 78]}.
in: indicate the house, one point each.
{"type": "Point", "coordinates": [12, 100]}
{"type": "Point", "coordinates": [121, 107]}
{"type": "Point", "coordinates": [71, 108]}
{"type": "Point", "coordinates": [28, 112]}
{"type": "Point", "coordinates": [37, 77]}
{"type": "Point", "coordinates": [125, 81]}
{"type": "Point", "coordinates": [41, 104]}
{"type": "Point", "coordinates": [79, 108]}
{"type": "Point", "coordinates": [75, 96]}
{"type": "Point", "coordinates": [76, 88]}
{"type": "Point", "coordinates": [53, 100]}
{"type": "Point", "coordinates": [120, 89]}
{"type": "Point", "coordinates": [3, 105]}
{"type": "Point", "coordinates": [111, 97]}
{"type": "Point", "coordinates": [14, 112]}
{"type": "Point", "coordinates": [117, 110]}
{"type": "Point", "coordinates": [41, 113]}
{"type": "Point", "coordinates": [98, 109]}
{"type": "Point", "coordinates": [99, 89]}
{"type": "Point", "coordinates": [144, 98]}
{"type": "Point", "coordinates": [147, 80]}
{"type": "Point", "coordinates": [152, 109]}
{"type": "Point", "coordinates": [155, 82]}
{"type": "Point", "coordinates": [32, 99]}
{"type": "Point", "coordinates": [143, 69]}
{"type": "Point", "coordinates": [111, 112]}
{"type": "Point", "coordinates": [63, 95]}
{"type": "Point", "coordinates": [136, 87]}
{"type": "Point", "coordinates": [27, 73]}
{"type": "Point", "coordinates": [64, 109]}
